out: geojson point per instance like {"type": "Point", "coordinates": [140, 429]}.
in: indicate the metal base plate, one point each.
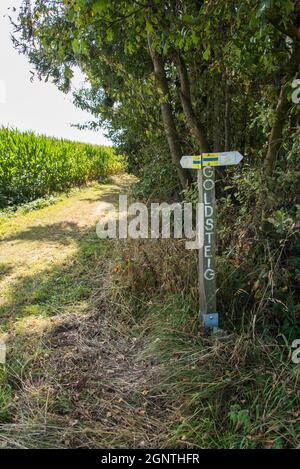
{"type": "Point", "coordinates": [210, 321]}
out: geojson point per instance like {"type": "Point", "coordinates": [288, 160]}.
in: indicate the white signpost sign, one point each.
{"type": "Point", "coordinates": [206, 186]}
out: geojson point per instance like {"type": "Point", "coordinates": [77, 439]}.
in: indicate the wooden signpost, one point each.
{"type": "Point", "coordinates": [207, 234]}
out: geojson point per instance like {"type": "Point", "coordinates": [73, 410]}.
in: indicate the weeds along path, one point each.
{"type": "Point", "coordinates": [75, 374]}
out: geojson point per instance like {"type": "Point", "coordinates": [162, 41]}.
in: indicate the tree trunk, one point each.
{"type": "Point", "coordinates": [167, 114]}
{"type": "Point", "coordinates": [217, 124]}
{"type": "Point", "coordinates": [227, 119]}
{"type": "Point", "coordinates": [185, 95]}
{"type": "Point", "coordinates": [276, 135]}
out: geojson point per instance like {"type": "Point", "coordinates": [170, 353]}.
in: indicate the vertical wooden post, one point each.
{"type": "Point", "coordinates": [202, 294]}
{"type": "Point", "coordinates": [206, 234]}
{"type": "Point", "coordinates": [207, 250]}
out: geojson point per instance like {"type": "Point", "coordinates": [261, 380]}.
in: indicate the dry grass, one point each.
{"type": "Point", "coordinates": [76, 374]}
{"type": "Point", "coordinates": [105, 351]}
{"type": "Point", "coordinates": [88, 387]}
{"type": "Point", "coordinates": [235, 391]}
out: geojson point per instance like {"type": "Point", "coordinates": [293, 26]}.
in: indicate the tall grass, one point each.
{"type": "Point", "coordinates": [238, 389]}
{"type": "Point", "coordinates": [33, 166]}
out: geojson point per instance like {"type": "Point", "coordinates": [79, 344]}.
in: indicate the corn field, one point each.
{"type": "Point", "coordinates": [33, 166]}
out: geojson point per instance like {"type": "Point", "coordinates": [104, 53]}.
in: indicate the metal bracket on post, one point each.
{"type": "Point", "coordinates": [210, 321]}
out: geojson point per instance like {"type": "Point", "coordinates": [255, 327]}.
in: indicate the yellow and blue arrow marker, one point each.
{"type": "Point", "coordinates": [211, 159]}
{"type": "Point", "coordinates": [206, 159]}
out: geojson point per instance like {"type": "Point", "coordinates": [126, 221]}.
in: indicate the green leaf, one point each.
{"type": "Point", "coordinates": [207, 53]}
{"type": "Point", "coordinates": [99, 6]}
{"type": "Point", "coordinates": [68, 72]}
{"type": "Point", "coordinates": [75, 45]}
{"type": "Point", "coordinates": [84, 48]}
{"type": "Point", "coordinates": [109, 35]}
{"type": "Point", "coordinates": [149, 27]}
{"type": "Point", "coordinates": [189, 19]}
{"type": "Point", "coordinates": [265, 5]}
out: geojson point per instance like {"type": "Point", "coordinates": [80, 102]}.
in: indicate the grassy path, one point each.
{"type": "Point", "coordinates": [31, 242]}
{"type": "Point", "coordinates": [104, 349]}
{"type": "Point", "coordinates": [75, 375]}
{"type": "Point", "coordinates": [35, 244]}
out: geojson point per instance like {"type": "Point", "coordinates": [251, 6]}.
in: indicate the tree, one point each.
{"type": "Point", "coordinates": [218, 67]}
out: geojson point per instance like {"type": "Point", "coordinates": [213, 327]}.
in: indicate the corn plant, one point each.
{"type": "Point", "coordinates": [33, 166]}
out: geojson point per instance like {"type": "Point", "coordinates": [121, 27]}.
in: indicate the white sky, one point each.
{"type": "Point", "coordinates": [36, 106]}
